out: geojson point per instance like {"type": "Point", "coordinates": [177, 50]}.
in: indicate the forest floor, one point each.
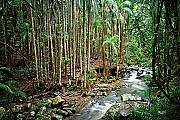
{"type": "Point", "coordinates": [41, 101]}
{"type": "Point", "coordinates": [76, 98]}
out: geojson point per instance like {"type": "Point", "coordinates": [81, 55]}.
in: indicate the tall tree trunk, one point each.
{"type": "Point", "coordinates": [84, 37]}
{"type": "Point", "coordinates": [122, 44]}
{"type": "Point", "coordinates": [61, 39]}
{"type": "Point", "coordinates": [89, 34]}
{"type": "Point", "coordinates": [51, 45]}
{"type": "Point", "coordinates": [102, 39]}
{"type": "Point", "coordinates": [35, 48]}
{"type": "Point", "coordinates": [80, 45]}
{"type": "Point", "coordinates": [74, 37]}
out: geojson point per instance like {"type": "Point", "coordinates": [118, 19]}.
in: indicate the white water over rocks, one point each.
{"type": "Point", "coordinates": [131, 87]}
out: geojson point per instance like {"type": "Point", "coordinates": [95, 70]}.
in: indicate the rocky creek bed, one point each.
{"type": "Point", "coordinates": [118, 104]}
{"type": "Point", "coordinates": [109, 99]}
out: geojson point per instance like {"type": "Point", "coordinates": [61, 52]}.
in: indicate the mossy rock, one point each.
{"type": "Point", "coordinates": [119, 111]}
{"type": "Point", "coordinates": [57, 100]}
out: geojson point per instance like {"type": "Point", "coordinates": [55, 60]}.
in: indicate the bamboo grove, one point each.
{"type": "Point", "coordinates": [58, 38]}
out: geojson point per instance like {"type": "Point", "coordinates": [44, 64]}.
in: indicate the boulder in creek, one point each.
{"type": "Point", "coordinates": [119, 111]}
{"type": "Point", "coordinates": [57, 101]}
{"type": "Point", "coordinates": [56, 117]}
{"type": "Point", "coordinates": [62, 112]}
{"type": "Point", "coordinates": [73, 110]}
{"type": "Point", "coordinates": [69, 112]}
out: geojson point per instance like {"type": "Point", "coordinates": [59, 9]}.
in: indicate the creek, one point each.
{"type": "Point", "coordinates": [132, 88]}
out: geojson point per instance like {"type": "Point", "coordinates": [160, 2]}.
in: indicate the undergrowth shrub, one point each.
{"type": "Point", "coordinates": [9, 90]}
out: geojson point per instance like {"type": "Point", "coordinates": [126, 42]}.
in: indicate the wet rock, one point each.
{"type": "Point", "coordinates": [101, 103]}
{"type": "Point", "coordinates": [139, 72]}
{"type": "Point", "coordinates": [69, 112]}
{"type": "Point", "coordinates": [109, 115]}
{"type": "Point", "coordinates": [29, 105]}
{"type": "Point", "coordinates": [49, 101]}
{"type": "Point", "coordinates": [119, 111]}
{"type": "Point", "coordinates": [104, 93]}
{"type": "Point", "coordinates": [57, 101]}
{"type": "Point", "coordinates": [56, 117]}
{"type": "Point", "coordinates": [138, 98]}
{"type": "Point", "coordinates": [2, 112]}
{"type": "Point", "coordinates": [73, 110]}
{"type": "Point", "coordinates": [62, 112]}
{"type": "Point", "coordinates": [114, 93]}
{"type": "Point", "coordinates": [65, 105]}
{"type": "Point", "coordinates": [126, 97]}
{"type": "Point", "coordinates": [98, 93]}
{"type": "Point", "coordinates": [32, 113]}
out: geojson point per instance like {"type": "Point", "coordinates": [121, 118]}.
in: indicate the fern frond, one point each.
{"type": "Point", "coordinates": [11, 82]}
{"type": "Point", "coordinates": [6, 88]}
{"type": "Point", "coordinates": [21, 94]}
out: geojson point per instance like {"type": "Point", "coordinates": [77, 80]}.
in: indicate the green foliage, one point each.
{"type": "Point", "coordinates": [139, 34]}
{"type": "Point", "coordinates": [8, 89]}
{"type": "Point", "coordinates": [139, 114]}
{"type": "Point", "coordinates": [66, 60]}
{"type": "Point", "coordinates": [113, 41]}
{"type": "Point", "coordinates": [90, 75]}
{"type": "Point", "coordinates": [161, 109]}
{"type": "Point", "coordinates": [135, 55]}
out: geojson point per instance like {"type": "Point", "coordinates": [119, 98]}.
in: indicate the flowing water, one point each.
{"type": "Point", "coordinates": [132, 89]}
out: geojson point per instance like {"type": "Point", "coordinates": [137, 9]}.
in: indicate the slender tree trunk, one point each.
{"type": "Point", "coordinates": [102, 39]}
{"type": "Point", "coordinates": [84, 36]}
{"type": "Point", "coordinates": [74, 37]}
{"type": "Point", "coordinates": [89, 35]}
{"type": "Point", "coordinates": [35, 48]}
{"type": "Point", "coordinates": [122, 44]}
{"type": "Point", "coordinates": [4, 31]}
{"type": "Point", "coordinates": [51, 45]}
{"type": "Point", "coordinates": [80, 46]}
{"type": "Point", "coordinates": [61, 39]}
{"type": "Point", "coordinates": [65, 38]}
